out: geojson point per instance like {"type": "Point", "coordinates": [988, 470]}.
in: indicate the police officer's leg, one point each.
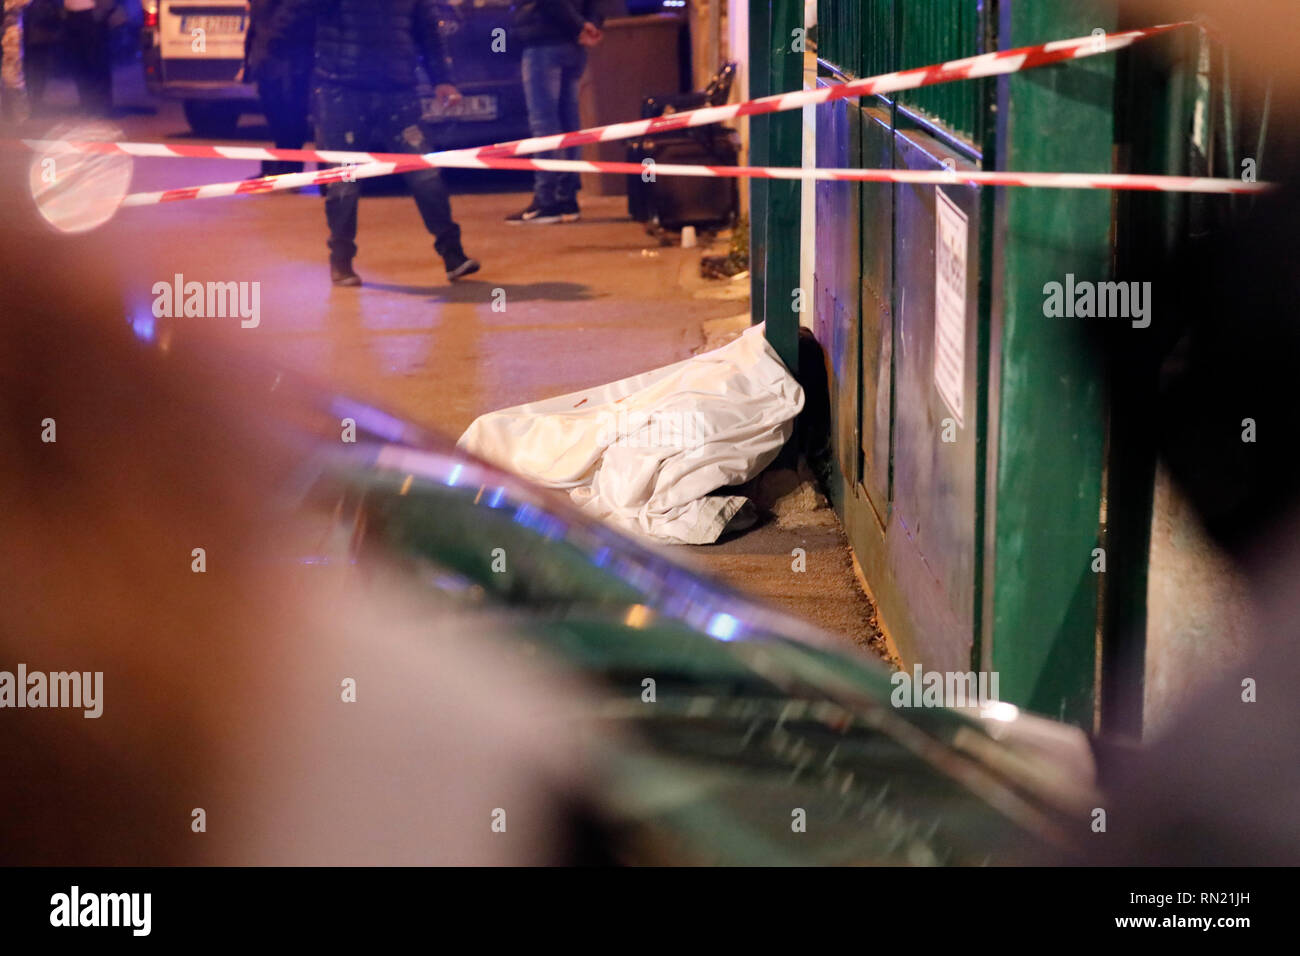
{"type": "Point", "coordinates": [543, 74]}
{"type": "Point", "coordinates": [574, 63]}
{"type": "Point", "coordinates": [404, 135]}
{"type": "Point", "coordinates": [275, 88]}
{"type": "Point", "coordinates": [340, 124]}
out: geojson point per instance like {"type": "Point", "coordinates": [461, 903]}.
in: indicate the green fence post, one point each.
{"type": "Point", "coordinates": [775, 66]}
{"type": "Point", "coordinates": [1047, 410]}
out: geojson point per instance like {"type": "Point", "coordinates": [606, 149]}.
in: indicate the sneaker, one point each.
{"type": "Point", "coordinates": [569, 211]}
{"type": "Point", "coordinates": [536, 213]}
{"type": "Point", "coordinates": [460, 267]}
{"type": "Point", "coordinates": [341, 274]}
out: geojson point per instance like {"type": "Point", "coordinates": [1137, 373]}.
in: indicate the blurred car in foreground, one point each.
{"type": "Point", "coordinates": [744, 736]}
{"type": "Point", "coordinates": [763, 741]}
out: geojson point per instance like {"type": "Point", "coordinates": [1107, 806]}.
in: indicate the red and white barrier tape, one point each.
{"type": "Point", "coordinates": [987, 64]}
{"type": "Point", "coordinates": [383, 164]}
{"type": "Point", "coordinates": [503, 155]}
{"type": "Point", "coordinates": [935, 177]}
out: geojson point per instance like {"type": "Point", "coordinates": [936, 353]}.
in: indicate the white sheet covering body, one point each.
{"type": "Point", "coordinates": [645, 453]}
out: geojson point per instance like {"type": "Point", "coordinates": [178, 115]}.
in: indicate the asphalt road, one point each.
{"type": "Point", "coordinates": [555, 308]}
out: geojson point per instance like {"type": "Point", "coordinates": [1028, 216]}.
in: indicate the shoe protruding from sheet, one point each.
{"type": "Point", "coordinates": [648, 453]}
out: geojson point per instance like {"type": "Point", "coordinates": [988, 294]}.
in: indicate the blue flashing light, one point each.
{"type": "Point", "coordinates": [144, 326]}
{"type": "Point", "coordinates": [723, 627]}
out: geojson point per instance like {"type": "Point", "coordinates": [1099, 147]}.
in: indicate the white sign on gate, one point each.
{"type": "Point", "coordinates": [950, 303]}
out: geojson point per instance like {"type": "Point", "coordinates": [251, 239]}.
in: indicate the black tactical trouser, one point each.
{"type": "Point", "coordinates": [379, 121]}
{"type": "Point", "coordinates": [284, 87]}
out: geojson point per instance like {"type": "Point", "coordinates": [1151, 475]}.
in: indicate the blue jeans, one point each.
{"type": "Point", "coordinates": [551, 75]}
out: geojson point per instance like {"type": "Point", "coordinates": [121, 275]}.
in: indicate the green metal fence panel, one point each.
{"type": "Point", "coordinates": [869, 37]}
{"type": "Point", "coordinates": [932, 31]}
{"type": "Point", "coordinates": [1047, 416]}
{"type": "Point", "coordinates": [982, 555]}
{"type": "Point", "coordinates": [836, 273]}
{"type": "Point", "coordinates": [875, 51]}
{"type": "Point", "coordinates": [877, 315]}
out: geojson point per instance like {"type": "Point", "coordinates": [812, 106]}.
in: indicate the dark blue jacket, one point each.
{"type": "Point", "coordinates": [263, 48]}
{"type": "Point", "coordinates": [545, 22]}
{"type": "Point", "coordinates": [368, 44]}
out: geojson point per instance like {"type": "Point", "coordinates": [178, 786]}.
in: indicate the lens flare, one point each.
{"type": "Point", "coordinates": [79, 191]}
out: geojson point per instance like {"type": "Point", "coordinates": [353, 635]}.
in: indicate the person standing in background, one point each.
{"type": "Point", "coordinates": [42, 39]}
{"type": "Point", "coordinates": [13, 86]}
{"type": "Point", "coordinates": [87, 26]}
{"type": "Point", "coordinates": [554, 35]}
{"type": "Point", "coordinates": [369, 54]}
{"type": "Point", "coordinates": [281, 68]}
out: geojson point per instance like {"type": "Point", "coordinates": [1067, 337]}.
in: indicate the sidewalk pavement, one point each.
{"type": "Point", "coordinates": [554, 309]}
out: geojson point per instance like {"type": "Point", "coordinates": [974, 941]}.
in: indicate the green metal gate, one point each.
{"type": "Point", "coordinates": [973, 499]}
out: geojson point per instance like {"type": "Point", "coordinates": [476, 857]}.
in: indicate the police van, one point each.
{"type": "Point", "coordinates": [194, 51]}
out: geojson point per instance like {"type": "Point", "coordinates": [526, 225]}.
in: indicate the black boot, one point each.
{"type": "Point", "coordinates": [459, 265]}
{"type": "Point", "coordinates": [342, 274]}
